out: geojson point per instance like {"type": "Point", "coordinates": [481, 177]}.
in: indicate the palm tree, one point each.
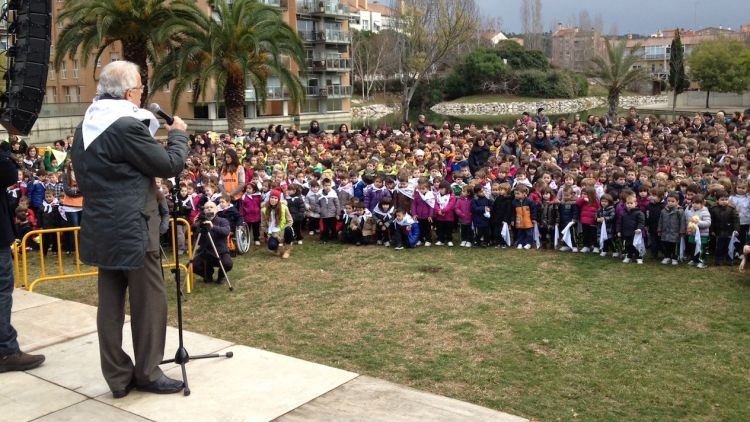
{"type": "Point", "coordinates": [615, 72]}
{"type": "Point", "coordinates": [240, 43]}
{"type": "Point", "coordinates": [93, 25]}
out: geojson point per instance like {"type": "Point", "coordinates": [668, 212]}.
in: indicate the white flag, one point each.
{"type": "Point", "coordinates": [566, 235]}
{"type": "Point", "coordinates": [557, 235]}
{"type": "Point", "coordinates": [682, 249]}
{"type": "Point", "coordinates": [697, 243]}
{"type": "Point", "coordinates": [732, 242]}
{"type": "Point", "coordinates": [537, 236]}
{"type": "Point", "coordinates": [639, 244]}
{"type": "Point", "coordinates": [603, 236]}
{"type": "Point", "coordinates": [505, 233]}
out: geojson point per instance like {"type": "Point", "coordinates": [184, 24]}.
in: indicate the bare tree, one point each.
{"type": "Point", "coordinates": [599, 23]}
{"type": "Point", "coordinates": [614, 30]}
{"type": "Point", "coordinates": [584, 20]}
{"type": "Point", "coordinates": [537, 26]}
{"type": "Point", "coordinates": [368, 57]}
{"type": "Point", "coordinates": [429, 31]}
{"type": "Point", "coordinates": [526, 18]}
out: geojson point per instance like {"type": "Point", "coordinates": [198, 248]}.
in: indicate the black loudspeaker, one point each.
{"type": "Point", "coordinates": [28, 57]}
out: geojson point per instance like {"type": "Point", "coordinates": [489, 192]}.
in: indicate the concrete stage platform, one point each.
{"type": "Point", "coordinates": [254, 385]}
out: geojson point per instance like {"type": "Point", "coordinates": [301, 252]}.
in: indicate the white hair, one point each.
{"type": "Point", "coordinates": [116, 78]}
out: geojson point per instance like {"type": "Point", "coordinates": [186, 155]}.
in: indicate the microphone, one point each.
{"type": "Point", "coordinates": [154, 108]}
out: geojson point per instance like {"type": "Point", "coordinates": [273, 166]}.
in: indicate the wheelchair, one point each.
{"type": "Point", "coordinates": [239, 240]}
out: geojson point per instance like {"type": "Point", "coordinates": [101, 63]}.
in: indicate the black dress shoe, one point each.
{"type": "Point", "coordinates": [118, 394]}
{"type": "Point", "coordinates": [163, 385]}
{"type": "Point", "coordinates": [221, 280]}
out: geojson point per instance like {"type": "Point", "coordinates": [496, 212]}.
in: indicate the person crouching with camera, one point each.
{"type": "Point", "coordinates": [212, 247]}
{"type": "Point", "coordinates": [277, 222]}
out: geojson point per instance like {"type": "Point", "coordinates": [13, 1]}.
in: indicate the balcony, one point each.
{"type": "Point", "coordinates": [272, 93]}
{"type": "Point", "coordinates": [659, 56]}
{"type": "Point", "coordinates": [330, 65]}
{"type": "Point", "coordinates": [325, 8]}
{"type": "Point", "coordinates": [274, 3]}
{"type": "Point", "coordinates": [331, 91]}
{"type": "Point", "coordinates": [329, 36]}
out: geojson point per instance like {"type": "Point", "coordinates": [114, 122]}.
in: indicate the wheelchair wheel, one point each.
{"type": "Point", "coordinates": [242, 238]}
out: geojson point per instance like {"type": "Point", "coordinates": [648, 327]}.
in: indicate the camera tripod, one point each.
{"type": "Point", "coordinates": [204, 230]}
{"type": "Point", "coordinates": [181, 357]}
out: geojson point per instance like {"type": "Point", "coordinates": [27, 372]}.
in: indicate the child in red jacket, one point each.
{"type": "Point", "coordinates": [588, 205]}
{"type": "Point", "coordinates": [444, 214]}
{"type": "Point", "coordinates": [463, 214]}
{"type": "Point", "coordinates": [250, 210]}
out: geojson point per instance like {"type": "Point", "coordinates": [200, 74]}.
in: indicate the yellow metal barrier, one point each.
{"type": "Point", "coordinates": [16, 278]}
{"type": "Point", "coordinates": [62, 275]}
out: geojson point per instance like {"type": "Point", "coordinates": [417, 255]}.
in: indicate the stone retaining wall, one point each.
{"type": "Point", "coordinates": [550, 106]}
{"type": "Point", "coordinates": [374, 111]}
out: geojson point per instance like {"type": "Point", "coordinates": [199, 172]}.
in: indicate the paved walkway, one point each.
{"type": "Point", "coordinates": [254, 385]}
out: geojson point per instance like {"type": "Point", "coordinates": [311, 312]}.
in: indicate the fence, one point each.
{"type": "Point", "coordinates": [21, 263]}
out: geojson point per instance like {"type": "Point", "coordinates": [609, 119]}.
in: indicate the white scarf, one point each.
{"type": "Point", "coordinates": [443, 200]}
{"type": "Point", "coordinates": [101, 114]}
{"type": "Point", "coordinates": [407, 221]}
{"type": "Point", "coordinates": [348, 188]}
{"type": "Point", "coordinates": [407, 191]}
{"type": "Point", "coordinates": [428, 198]}
{"type": "Point", "coordinates": [188, 202]}
{"type": "Point", "coordinates": [49, 206]}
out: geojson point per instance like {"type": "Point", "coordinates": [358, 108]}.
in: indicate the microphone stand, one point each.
{"type": "Point", "coordinates": [182, 357]}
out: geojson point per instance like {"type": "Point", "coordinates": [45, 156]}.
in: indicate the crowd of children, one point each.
{"type": "Point", "coordinates": [676, 191]}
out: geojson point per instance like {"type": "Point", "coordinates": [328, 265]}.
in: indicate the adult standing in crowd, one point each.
{"type": "Point", "coordinates": [11, 357]}
{"type": "Point", "coordinates": [72, 203]}
{"type": "Point", "coordinates": [232, 177]}
{"type": "Point", "coordinates": [117, 160]}
{"type": "Point", "coordinates": [479, 155]}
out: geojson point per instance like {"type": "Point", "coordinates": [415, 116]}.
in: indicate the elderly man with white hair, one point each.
{"type": "Point", "coordinates": [117, 159]}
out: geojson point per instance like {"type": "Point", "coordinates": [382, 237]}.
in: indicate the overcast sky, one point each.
{"type": "Point", "coordinates": [632, 16]}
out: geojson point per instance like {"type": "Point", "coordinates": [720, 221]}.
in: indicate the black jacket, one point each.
{"type": "Point", "coordinates": [116, 176]}
{"type": "Point", "coordinates": [503, 211]}
{"type": "Point", "coordinates": [8, 177]}
{"type": "Point", "coordinates": [632, 220]}
{"type": "Point", "coordinates": [219, 232]}
{"type": "Point", "coordinates": [478, 157]}
{"type": "Point", "coordinates": [296, 206]}
{"type": "Point", "coordinates": [724, 221]}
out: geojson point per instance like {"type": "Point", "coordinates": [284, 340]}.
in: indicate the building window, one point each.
{"type": "Point", "coordinates": [99, 62]}
{"type": "Point", "coordinates": [64, 71]}
{"type": "Point", "coordinates": [52, 73]}
{"type": "Point", "coordinates": [200, 111]}
{"type": "Point", "coordinates": [71, 94]}
{"type": "Point", "coordinates": [51, 95]}
{"type": "Point", "coordinates": [311, 106]}
{"type": "Point", "coordinates": [75, 69]}
{"type": "Point", "coordinates": [335, 105]}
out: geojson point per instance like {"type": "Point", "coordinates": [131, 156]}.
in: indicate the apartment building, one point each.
{"type": "Point", "coordinates": [371, 16]}
{"type": "Point", "coordinates": [322, 25]}
{"type": "Point", "coordinates": [655, 50]}
{"type": "Point", "coordinates": [573, 47]}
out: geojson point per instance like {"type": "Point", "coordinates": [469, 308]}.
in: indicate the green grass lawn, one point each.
{"type": "Point", "coordinates": [538, 334]}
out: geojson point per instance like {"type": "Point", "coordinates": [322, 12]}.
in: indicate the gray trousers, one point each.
{"type": "Point", "coordinates": [148, 310]}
